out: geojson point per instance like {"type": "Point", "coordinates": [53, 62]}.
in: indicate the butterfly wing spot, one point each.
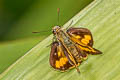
{"type": "Point", "coordinates": [86, 39]}
{"type": "Point", "coordinates": [77, 36]}
{"type": "Point", "coordinates": [87, 49]}
{"type": "Point", "coordinates": [55, 54]}
{"type": "Point", "coordinates": [59, 54]}
{"type": "Point", "coordinates": [57, 64]}
{"type": "Point", "coordinates": [61, 62]}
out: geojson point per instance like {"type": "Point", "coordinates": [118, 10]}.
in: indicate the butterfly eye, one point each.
{"type": "Point", "coordinates": [54, 31]}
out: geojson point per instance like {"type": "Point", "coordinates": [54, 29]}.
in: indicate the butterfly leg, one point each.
{"type": "Point", "coordinates": [77, 69]}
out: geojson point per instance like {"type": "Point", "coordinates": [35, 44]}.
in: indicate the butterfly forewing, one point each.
{"type": "Point", "coordinates": [59, 58]}
{"type": "Point", "coordinates": [83, 39]}
{"type": "Point", "coordinates": [81, 36]}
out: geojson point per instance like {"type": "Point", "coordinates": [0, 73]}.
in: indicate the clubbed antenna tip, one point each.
{"type": "Point", "coordinates": [58, 12]}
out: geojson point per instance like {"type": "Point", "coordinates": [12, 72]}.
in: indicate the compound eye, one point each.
{"type": "Point", "coordinates": [54, 32]}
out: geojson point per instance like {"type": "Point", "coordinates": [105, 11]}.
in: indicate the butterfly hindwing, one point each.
{"type": "Point", "coordinates": [88, 50]}
{"type": "Point", "coordinates": [83, 55]}
{"type": "Point", "coordinates": [58, 59]}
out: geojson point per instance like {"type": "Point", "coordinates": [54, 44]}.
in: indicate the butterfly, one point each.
{"type": "Point", "coordinates": [70, 48]}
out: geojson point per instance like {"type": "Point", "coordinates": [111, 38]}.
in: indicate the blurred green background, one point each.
{"type": "Point", "coordinates": [19, 18]}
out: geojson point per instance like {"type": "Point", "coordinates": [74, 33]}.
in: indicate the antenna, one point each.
{"type": "Point", "coordinates": [58, 12]}
{"type": "Point", "coordinates": [35, 32]}
{"type": "Point", "coordinates": [41, 31]}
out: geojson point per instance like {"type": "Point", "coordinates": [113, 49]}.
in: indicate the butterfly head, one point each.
{"type": "Point", "coordinates": [56, 29]}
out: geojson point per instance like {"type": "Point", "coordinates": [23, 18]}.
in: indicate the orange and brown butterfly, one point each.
{"type": "Point", "coordinates": [71, 47]}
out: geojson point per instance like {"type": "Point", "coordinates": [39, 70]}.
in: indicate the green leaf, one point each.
{"type": "Point", "coordinates": [103, 19]}
{"type": "Point", "coordinates": [10, 51]}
